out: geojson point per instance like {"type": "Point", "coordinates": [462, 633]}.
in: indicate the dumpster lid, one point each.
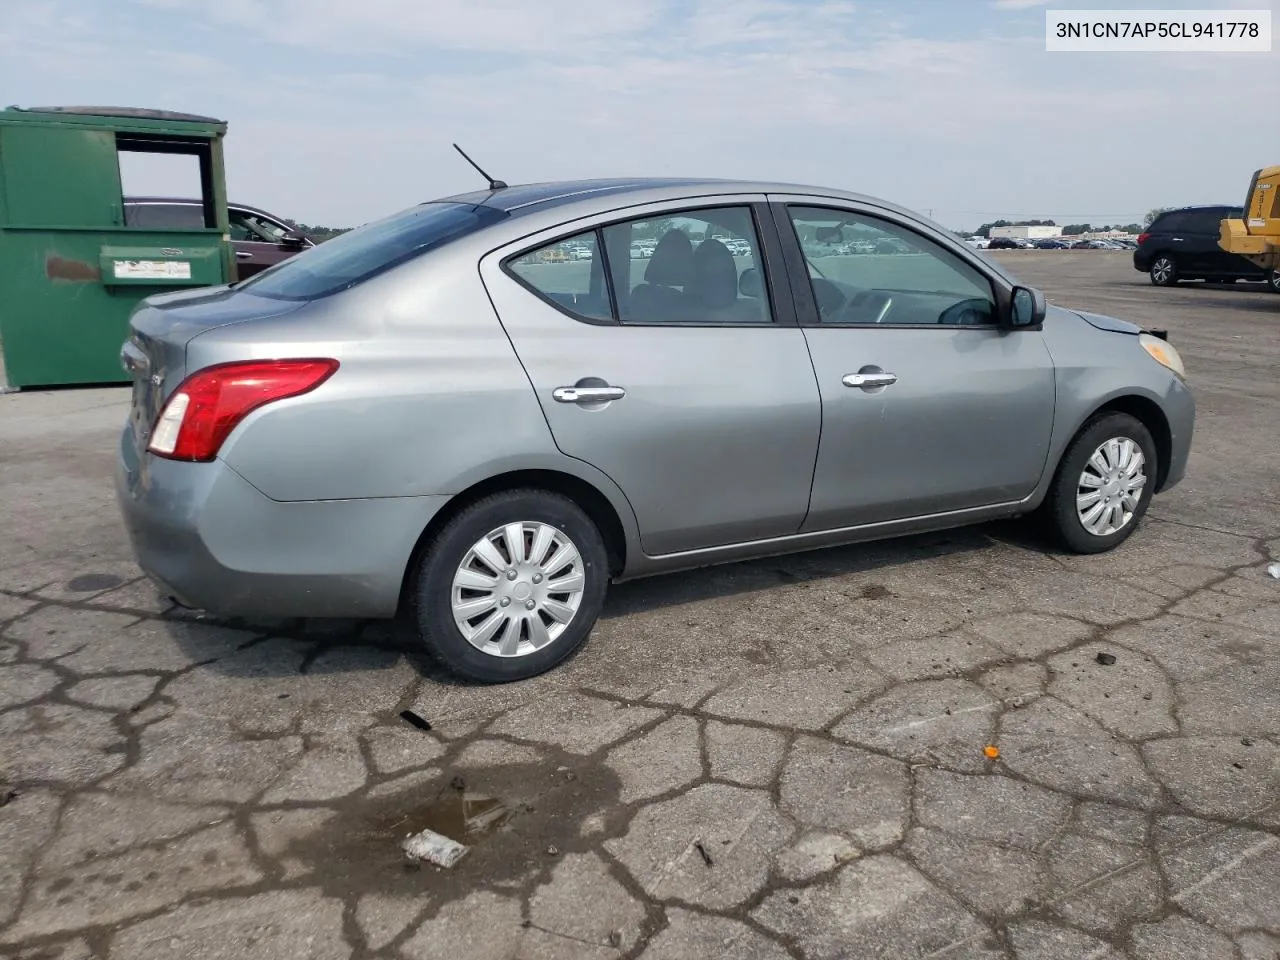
{"type": "Point", "coordinates": [136, 113]}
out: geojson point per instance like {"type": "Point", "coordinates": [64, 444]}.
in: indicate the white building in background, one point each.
{"type": "Point", "coordinates": [1027, 233]}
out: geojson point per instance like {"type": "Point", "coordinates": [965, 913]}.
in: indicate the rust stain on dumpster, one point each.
{"type": "Point", "coordinates": [72, 271]}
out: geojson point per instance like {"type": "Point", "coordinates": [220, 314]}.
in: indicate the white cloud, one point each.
{"type": "Point", "coordinates": [341, 111]}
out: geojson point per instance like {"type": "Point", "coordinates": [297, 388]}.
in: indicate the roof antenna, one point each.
{"type": "Point", "coordinates": [493, 184]}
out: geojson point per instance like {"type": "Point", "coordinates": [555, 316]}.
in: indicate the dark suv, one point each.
{"type": "Point", "coordinates": [1183, 245]}
{"type": "Point", "coordinates": [260, 239]}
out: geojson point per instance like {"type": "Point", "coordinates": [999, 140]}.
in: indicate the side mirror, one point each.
{"type": "Point", "coordinates": [749, 283]}
{"type": "Point", "coordinates": [293, 239]}
{"type": "Point", "coordinates": [1026, 308]}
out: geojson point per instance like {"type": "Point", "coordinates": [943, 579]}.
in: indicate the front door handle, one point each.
{"type": "Point", "coordinates": [588, 394]}
{"type": "Point", "coordinates": [870, 380]}
{"type": "Point", "coordinates": [243, 255]}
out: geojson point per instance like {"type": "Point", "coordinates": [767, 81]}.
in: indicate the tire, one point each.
{"type": "Point", "coordinates": [1164, 270]}
{"type": "Point", "coordinates": [519, 651]}
{"type": "Point", "coordinates": [1273, 281]}
{"type": "Point", "coordinates": [1062, 512]}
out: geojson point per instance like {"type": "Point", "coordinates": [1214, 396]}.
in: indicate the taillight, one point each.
{"type": "Point", "coordinates": [1142, 237]}
{"type": "Point", "coordinates": [206, 407]}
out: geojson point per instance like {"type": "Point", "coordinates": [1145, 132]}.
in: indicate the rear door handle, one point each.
{"type": "Point", "coordinates": [243, 255]}
{"type": "Point", "coordinates": [587, 394]}
{"type": "Point", "coordinates": [868, 380]}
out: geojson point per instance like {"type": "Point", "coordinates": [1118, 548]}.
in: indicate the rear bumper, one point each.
{"type": "Point", "coordinates": [1141, 260]}
{"type": "Point", "coordinates": [212, 540]}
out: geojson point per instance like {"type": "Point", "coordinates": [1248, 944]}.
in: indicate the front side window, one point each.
{"type": "Point", "coordinates": [251, 226]}
{"type": "Point", "coordinates": [691, 267]}
{"type": "Point", "coordinates": [354, 257]}
{"type": "Point", "coordinates": [864, 270]}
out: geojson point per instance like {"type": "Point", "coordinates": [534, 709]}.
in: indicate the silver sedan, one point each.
{"type": "Point", "coordinates": [444, 413]}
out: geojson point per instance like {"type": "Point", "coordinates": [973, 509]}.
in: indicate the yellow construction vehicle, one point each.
{"type": "Point", "coordinates": [1257, 236]}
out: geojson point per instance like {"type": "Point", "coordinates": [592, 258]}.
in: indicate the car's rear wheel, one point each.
{"type": "Point", "coordinates": [1164, 271]}
{"type": "Point", "coordinates": [1273, 281]}
{"type": "Point", "coordinates": [511, 586]}
{"type": "Point", "coordinates": [1103, 485]}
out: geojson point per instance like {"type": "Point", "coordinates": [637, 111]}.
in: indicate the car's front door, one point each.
{"type": "Point", "coordinates": [257, 241]}
{"type": "Point", "coordinates": [682, 376]}
{"type": "Point", "coordinates": [928, 405]}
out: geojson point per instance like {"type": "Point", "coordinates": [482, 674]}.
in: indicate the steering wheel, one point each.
{"type": "Point", "coordinates": [867, 306]}
{"type": "Point", "coordinates": [972, 312]}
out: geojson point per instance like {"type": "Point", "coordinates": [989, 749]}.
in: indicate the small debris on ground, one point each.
{"type": "Point", "coordinates": [1106, 659]}
{"type": "Point", "coordinates": [1246, 741]}
{"type": "Point", "coordinates": [434, 848]}
{"type": "Point", "coordinates": [991, 752]}
{"type": "Point", "coordinates": [1274, 570]}
{"type": "Point", "coordinates": [1238, 766]}
{"type": "Point", "coordinates": [553, 851]}
{"type": "Point", "coordinates": [615, 939]}
{"type": "Point", "coordinates": [702, 852]}
{"type": "Point", "coordinates": [411, 718]}
{"type": "Point", "coordinates": [458, 783]}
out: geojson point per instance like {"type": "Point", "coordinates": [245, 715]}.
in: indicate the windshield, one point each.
{"type": "Point", "coordinates": [354, 257]}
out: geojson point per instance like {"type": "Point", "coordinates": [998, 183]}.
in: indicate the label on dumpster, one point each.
{"type": "Point", "coordinates": [152, 269]}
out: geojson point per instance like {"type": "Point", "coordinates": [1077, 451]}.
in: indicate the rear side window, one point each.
{"type": "Point", "coordinates": [700, 267]}
{"type": "Point", "coordinates": [164, 216]}
{"type": "Point", "coordinates": [352, 258]}
{"type": "Point", "coordinates": [1204, 221]}
{"type": "Point", "coordinates": [1170, 223]}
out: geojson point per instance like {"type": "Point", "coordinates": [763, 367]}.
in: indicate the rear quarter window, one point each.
{"type": "Point", "coordinates": [354, 257]}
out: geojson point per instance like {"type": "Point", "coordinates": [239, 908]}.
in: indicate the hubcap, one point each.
{"type": "Point", "coordinates": [517, 589]}
{"type": "Point", "coordinates": [1162, 270]}
{"type": "Point", "coordinates": [1110, 486]}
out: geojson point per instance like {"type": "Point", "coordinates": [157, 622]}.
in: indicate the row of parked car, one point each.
{"type": "Point", "coordinates": [1051, 243]}
{"type": "Point", "coordinates": [1181, 244]}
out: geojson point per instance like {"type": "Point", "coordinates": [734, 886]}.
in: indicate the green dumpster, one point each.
{"type": "Point", "coordinates": [70, 269]}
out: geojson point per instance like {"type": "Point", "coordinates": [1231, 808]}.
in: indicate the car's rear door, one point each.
{"type": "Point", "coordinates": [683, 377]}
{"type": "Point", "coordinates": [928, 406]}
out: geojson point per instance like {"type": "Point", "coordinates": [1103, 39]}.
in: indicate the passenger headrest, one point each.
{"type": "Point", "coordinates": [715, 275]}
{"type": "Point", "coordinates": [672, 260]}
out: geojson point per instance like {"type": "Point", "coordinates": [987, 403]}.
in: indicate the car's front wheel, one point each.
{"type": "Point", "coordinates": [1104, 484]}
{"type": "Point", "coordinates": [511, 586]}
{"type": "Point", "coordinates": [1164, 271]}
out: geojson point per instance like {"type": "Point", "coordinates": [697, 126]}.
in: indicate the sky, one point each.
{"type": "Point", "coordinates": [342, 111]}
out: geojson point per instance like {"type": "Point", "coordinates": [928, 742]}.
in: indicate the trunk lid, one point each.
{"type": "Point", "coordinates": [159, 331]}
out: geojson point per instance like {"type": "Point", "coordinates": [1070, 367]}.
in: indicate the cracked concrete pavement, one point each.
{"type": "Point", "coordinates": [768, 760]}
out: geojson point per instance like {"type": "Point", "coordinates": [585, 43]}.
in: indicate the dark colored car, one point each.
{"type": "Point", "coordinates": [1051, 244]}
{"type": "Point", "coordinates": [1003, 243]}
{"type": "Point", "coordinates": [260, 239]}
{"type": "Point", "coordinates": [1182, 244]}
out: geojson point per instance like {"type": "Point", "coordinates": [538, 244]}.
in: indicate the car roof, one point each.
{"type": "Point", "coordinates": [519, 199]}
{"type": "Point", "coordinates": [1201, 208]}
{"type": "Point", "coordinates": [192, 201]}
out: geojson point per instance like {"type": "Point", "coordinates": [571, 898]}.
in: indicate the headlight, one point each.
{"type": "Point", "coordinates": [1162, 352]}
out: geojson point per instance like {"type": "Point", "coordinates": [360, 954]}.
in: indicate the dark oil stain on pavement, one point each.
{"type": "Point", "coordinates": [509, 816]}
{"type": "Point", "coordinates": [89, 582]}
